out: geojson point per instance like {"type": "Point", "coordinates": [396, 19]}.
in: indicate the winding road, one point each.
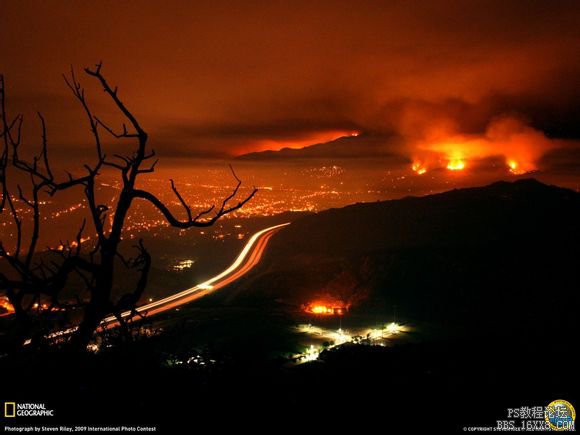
{"type": "Point", "coordinates": [246, 260]}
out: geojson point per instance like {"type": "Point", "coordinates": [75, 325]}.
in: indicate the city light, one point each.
{"type": "Point", "coordinates": [340, 337]}
{"type": "Point", "coordinates": [393, 328]}
{"type": "Point", "coordinates": [332, 338]}
{"type": "Point", "coordinates": [309, 329]}
{"type": "Point", "coordinates": [93, 347]}
{"type": "Point", "coordinates": [183, 265]}
{"type": "Point", "coordinates": [311, 354]}
{"type": "Point", "coordinates": [375, 334]}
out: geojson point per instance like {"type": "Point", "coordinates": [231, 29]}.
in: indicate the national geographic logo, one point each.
{"type": "Point", "coordinates": [9, 409]}
{"type": "Point", "coordinates": [13, 409]}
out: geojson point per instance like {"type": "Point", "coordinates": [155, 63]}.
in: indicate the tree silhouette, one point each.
{"type": "Point", "coordinates": [33, 274]}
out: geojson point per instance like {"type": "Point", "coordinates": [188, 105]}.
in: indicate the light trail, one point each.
{"type": "Point", "coordinates": [246, 260]}
{"type": "Point", "coordinates": [259, 239]}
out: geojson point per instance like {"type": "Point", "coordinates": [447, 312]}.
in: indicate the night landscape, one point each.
{"type": "Point", "coordinates": [298, 216]}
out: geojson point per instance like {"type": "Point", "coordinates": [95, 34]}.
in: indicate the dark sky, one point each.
{"type": "Point", "coordinates": [222, 78]}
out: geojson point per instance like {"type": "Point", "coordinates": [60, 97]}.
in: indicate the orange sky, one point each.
{"type": "Point", "coordinates": [222, 78]}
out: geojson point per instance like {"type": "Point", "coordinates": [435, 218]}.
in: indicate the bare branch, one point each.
{"type": "Point", "coordinates": [124, 134]}
{"type": "Point", "coordinates": [113, 94]}
{"type": "Point", "coordinates": [149, 169]}
{"type": "Point", "coordinates": [183, 203]}
{"type": "Point", "coordinates": [195, 221]}
{"type": "Point", "coordinates": [45, 148]}
{"type": "Point", "coordinates": [78, 91]}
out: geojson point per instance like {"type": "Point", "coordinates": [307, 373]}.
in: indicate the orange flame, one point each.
{"type": "Point", "coordinates": [321, 309]}
{"type": "Point", "coordinates": [509, 138]}
{"type": "Point", "coordinates": [456, 165]}
{"type": "Point", "coordinates": [326, 308]}
{"type": "Point", "coordinates": [419, 168]}
{"type": "Point", "coordinates": [518, 169]}
{"type": "Point", "coordinates": [6, 308]}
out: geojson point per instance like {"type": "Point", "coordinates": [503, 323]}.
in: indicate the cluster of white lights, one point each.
{"type": "Point", "coordinates": [340, 337]}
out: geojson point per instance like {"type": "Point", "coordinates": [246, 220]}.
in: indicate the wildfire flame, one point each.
{"type": "Point", "coordinates": [6, 307]}
{"type": "Point", "coordinates": [321, 309]}
{"type": "Point", "coordinates": [419, 168]}
{"type": "Point", "coordinates": [508, 138]}
{"type": "Point", "coordinates": [456, 165]}
{"type": "Point", "coordinates": [326, 308]}
{"type": "Point", "coordinates": [515, 168]}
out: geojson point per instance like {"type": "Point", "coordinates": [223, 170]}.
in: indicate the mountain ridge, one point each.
{"type": "Point", "coordinates": [364, 145]}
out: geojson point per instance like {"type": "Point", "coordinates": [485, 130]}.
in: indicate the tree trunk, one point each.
{"type": "Point", "coordinates": [99, 305]}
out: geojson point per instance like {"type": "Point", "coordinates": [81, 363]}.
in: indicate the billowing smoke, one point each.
{"type": "Point", "coordinates": [456, 141]}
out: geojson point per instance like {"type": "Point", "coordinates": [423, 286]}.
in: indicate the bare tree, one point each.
{"type": "Point", "coordinates": [33, 276]}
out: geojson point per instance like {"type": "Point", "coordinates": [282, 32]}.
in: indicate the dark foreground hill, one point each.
{"type": "Point", "coordinates": [478, 258]}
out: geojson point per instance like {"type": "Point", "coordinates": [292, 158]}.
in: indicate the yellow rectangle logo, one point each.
{"type": "Point", "coordinates": [9, 409]}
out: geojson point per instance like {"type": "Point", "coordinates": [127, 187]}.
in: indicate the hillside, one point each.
{"type": "Point", "coordinates": [343, 147]}
{"type": "Point", "coordinates": [478, 257]}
